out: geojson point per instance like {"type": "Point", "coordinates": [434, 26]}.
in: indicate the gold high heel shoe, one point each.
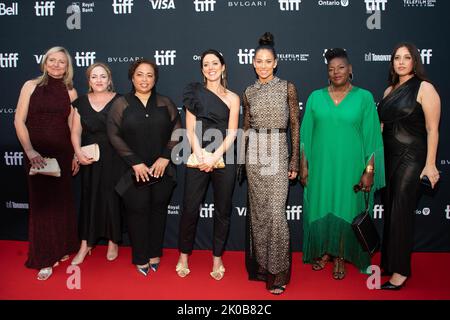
{"type": "Point", "coordinates": [181, 270]}
{"type": "Point", "coordinates": [79, 258]}
{"type": "Point", "coordinates": [218, 274]}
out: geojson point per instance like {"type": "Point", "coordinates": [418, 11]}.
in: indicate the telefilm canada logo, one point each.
{"type": "Point", "coordinates": [44, 8]}
{"type": "Point", "coordinates": [9, 9]}
{"type": "Point", "coordinates": [419, 3]}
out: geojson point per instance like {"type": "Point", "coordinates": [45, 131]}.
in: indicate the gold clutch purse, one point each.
{"type": "Point", "coordinates": [92, 151]}
{"type": "Point", "coordinates": [193, 162]}
{"type": "Point", "coordinates": [51, 168]}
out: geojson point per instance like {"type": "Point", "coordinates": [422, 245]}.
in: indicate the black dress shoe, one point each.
{"type": "Point", "coordinates": [389, 286]}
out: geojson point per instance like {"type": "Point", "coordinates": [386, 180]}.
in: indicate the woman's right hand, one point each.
{"type": "Point", "coordinates": [304, 175]}
{"type": "Point", "coordinates": [36, 160]}
{"type": "Point", "coordinates": [83, 159]}
{"type": "Point", "coordinates": [142, 172]}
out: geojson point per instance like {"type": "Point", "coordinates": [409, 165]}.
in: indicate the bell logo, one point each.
{"type": "Point", "coordinates": [290, 5]}
{"type": "Point", "coordinates": [425, 55]}
{"type": "Point", "coordinates": [84, 59]}
{"type": "Point", "coordinates": [9, 60]}
{"type": "Point", "coordinates": [122, 6]}
{"type": "Point", "coordinates": [246, 56]}
{"type": "Point", "coordinates": [165, 58]}
{"type": "Point", "coordinates": [204, 5]}
{"type": "Point", "coordinates": [163, 4]}
{"type": "Point", "coordinates": [13, 10]}
{"type": "Point", "coordinates": [44, 8]}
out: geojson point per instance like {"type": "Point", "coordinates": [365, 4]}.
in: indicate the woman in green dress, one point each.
{"type": "Point", "coordinates": [341, 152]}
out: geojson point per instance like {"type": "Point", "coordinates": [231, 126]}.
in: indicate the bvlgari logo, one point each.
{"type": "Point", "coordinates": [247, 4]}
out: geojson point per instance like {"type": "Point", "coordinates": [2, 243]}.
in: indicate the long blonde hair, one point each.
{"type": "Point", "coordinates": [42, 80]}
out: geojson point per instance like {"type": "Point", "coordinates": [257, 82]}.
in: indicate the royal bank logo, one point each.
{"type": "Point", "coordinates": [374, 8]}
{"type": "Point", "coordinates": [12, 9]}
{"type": "Point", "coordinates": [84, 58]}
{"type": "Point", "coordinates": [44, 8]}
{"type": "Point", "coordinates": [13, 158]}
{"type": "Point", "coordinates": [293, 57]}
{"type": "Point", "coordinates": [289, 5]}
{"type": "Point", "coordinates": [122, 6]}
{"type": "Point", "coordinates": [374, 57]}
{"type": "Point", "coordinates": [335, 3]}
{"type": "Point", "coordinates": [246, 4]}
{"type": "Point", "coordinates": [123, 59]}
{"type": "Point", "coordinates": [425, 55]}
{"type": "Point", "coordinates": [175, 210]}
{"type": "Point", "coordinates": [9, 60]}
{"type": "Point", "coordinates": [204, 5]}
{"type": "Point", "coordinates": [419, 3]}
{"type": "Point", "coordinates": [245, 56]}
{"type": "Point", "coordinates": [16, 205]}
{"type": "Point", "coordinates": [75, 10]}
{"type": "Point", "coordinates": [165, 57]}
{"type": "Point", "coordinates": [162, 4]}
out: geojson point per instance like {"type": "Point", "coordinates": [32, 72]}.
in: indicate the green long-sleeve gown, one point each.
{"type": "Point", "coordinates": [338, 142]}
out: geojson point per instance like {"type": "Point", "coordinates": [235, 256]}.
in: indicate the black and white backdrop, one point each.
{"type": "Point", "coordinates": [175, 32]}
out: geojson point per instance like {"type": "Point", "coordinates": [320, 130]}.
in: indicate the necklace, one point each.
{"type": "Point", "coordinates": [342, 94]}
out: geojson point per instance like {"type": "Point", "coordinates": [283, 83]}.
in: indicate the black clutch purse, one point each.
{"type": "Point", "coordinates": [141, 183]}
{"type": "Point", "coordinates": [365, 230]}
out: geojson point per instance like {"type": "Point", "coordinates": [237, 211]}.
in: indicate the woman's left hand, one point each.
{"type": "Point", "coordinates": [208, 163]}
{"type": "Point", "coordinates": [432, 173]}
{"type": "Point", "coordinates": [292, 175]}
{"type": "Point", "coordinates": [366, 181]}
{"type": "Point", "coordinates": [75, 166]}
{"type": "Point", "coordinates": [158, 167]}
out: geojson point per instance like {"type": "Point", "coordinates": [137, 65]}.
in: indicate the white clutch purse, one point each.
{"type": "Point", "coordinates": [193, 162]}
{"type": "Point", "coordinates": [50, 169]}
{"type": "Point", "coordinates": [92, 151]}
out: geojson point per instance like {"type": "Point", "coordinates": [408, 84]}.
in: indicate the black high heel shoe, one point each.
{"type": "Point", "coordinates": [390, 286]}
{"type": "Point", "coordinates": [144, 269]}
{"type": "Point", "coordinates": [154, 266]}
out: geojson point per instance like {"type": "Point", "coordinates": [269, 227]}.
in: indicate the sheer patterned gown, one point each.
{"type": "Point", "coordinates": [269, 109]}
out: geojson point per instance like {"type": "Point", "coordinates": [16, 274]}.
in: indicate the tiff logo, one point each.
{"type": "Point", "coordinates": [13, 158]}
{"type": "Point", "coordinates": [13, 10]}
{"type": "Point", "coordinates": [163, 4]}
{"type": "Point", "coordinates": [378, 211]}
{"type": "Point", "coordinates": [425, 55]}
{"type": "Point", "coordinates": [246, 56]}
{"type": "Point", "coordinates": [74, 20]}
{"type": "Point", "coordinates": [122, 6]}
{"type": "Point", "coordinates": [290, 5]}
{"type": "Point", "coordinates": [207, 211]}
{"type": "Point", "coordinates": [204, 5]}
{"type": "Point", "coordinates": [9, 60]}
{"type": "Point", "coordinates": [165, 58]}
{"type": "Point", "coordinates": [293, 212]}
{"type": "Point", "coordinates": [375, 5]}
{"type": "Point", "coordinates": [447, 211]}
{"type": "Point", "coordinates": [84, 59]}
{"type": "Point", "coordinates": [44, 8]}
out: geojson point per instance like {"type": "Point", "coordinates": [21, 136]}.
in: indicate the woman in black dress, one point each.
{"type": "Point", "coordinates": [409, 113]}
{"type": "Point", "coordinates": [216, 109]}
{"type": "Point", "coordinates": [100, 205]}
{"type": "Point", "coordinates": [140, 127]}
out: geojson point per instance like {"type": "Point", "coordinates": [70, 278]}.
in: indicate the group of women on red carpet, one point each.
{"type": "Point", "coordinates": [343, 149]}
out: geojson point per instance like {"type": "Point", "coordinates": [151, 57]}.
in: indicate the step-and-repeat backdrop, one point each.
{"type": "Point", "coordinates": [175, 32]}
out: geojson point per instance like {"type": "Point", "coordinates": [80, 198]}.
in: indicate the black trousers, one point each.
{"type": "Point", "coordinates": [195, 187]}
{"type": "Point", "coordinates": [146, 213]}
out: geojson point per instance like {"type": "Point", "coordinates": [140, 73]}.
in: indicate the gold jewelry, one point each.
{"type": "Point", "coordinates": [341, 95]}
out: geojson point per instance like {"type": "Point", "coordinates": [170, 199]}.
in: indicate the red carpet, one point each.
{"type": "Point", "coordinates": [101, 279]}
